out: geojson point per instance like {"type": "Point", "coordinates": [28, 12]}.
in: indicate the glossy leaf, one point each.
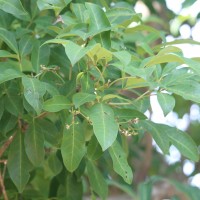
{"type": "Point", "coordinates": [79, 10]}
{"type": "Point", "coordinates": [34, 144]}
{"type": "Point", "coordinates": [120, 163]}
{"type": "Point", "coordinates": [97, 181]}
{"type": "Point", "coordinates": [188, 89]}
{"type": "Point", "coordinates": [81, 98]}
{"type": "Point", "coordinates": [7, 54]}
{"type": "Point", "coordinates": [18, 164]}
{"type": "Point", "coordinates": [166, 101]}
{"type": "Point", "coordinates": [75, 52]}
{"type": "Point", "coordinates": [9, 39]}
{"type": "Point", "coordinates": [98, 20]}
{"type": "Point", "coordinates": [56, 104]}
{"type": "Point", "coordinates": [33, 92]}
{"type": "Point", "coordinates": [51, 133]}
{"type": "Point", "coordinates": [73, 147]}
{"type": "Point", "coordinates": [104, 125]}
{"type": "Point", "coordinates": [25, 45]}
{"type": "Point", "coordinates": [123, 56]}
{"type": "Point", "coordinates": [158, 134]}
{"type": "Point", "coordinates": [71, 188]}
{"type": "Point", "coordinates": [128, 114]}
{"type": "Point", "coordinates": [15, 8]}
{"type": "Point", "coordinates": [94, 150]}
{"type": "Point", "coordinates": [54, 163]}
{"type": "Point", "coordinates": [183, 142]}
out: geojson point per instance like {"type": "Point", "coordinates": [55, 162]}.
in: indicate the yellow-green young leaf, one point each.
{"type": "Point", "coordinates": [57, 103]}
{"type": "Point", "coordinates": [166, 101]}
{"type": "Point", "coordinates": [18, 164]}
{"type": "Point", "coordinates": [135, 82]}
{"type": "Point", "coordinates": [96, 180]}
{"type": "Point", "coordinates": [120, 163]}
{"type": "Point", "coordinates": [104, 124]}
{"type": "Point", "coordinates": [183, 142]}
{"type": "Point", "coordinates": [94, 150]}
{"type": "Point", "coordinates": [34, 144]}
{"type": "Point", "coordinates": [81, 98]}
{"type": "Point", "coordinates": [15, 8]}
{"type": "Point", "coordinates": [166, 58]}
{"type": "Point", "coordinates": [73, 146]}
{"type": "Point", "coordinates": [98, 20]}
{"type": "Point", "coordinates": [33, 92]}
{"type": "Point", "coordinates": [9, 39]}
{"type": "Point", "coordinates": [75, 52]}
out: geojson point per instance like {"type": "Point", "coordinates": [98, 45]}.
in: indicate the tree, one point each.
{"type": "Point", "coordinates": [76, 79]}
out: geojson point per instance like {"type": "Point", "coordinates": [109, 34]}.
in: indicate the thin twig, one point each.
{"type": "Point", "coordinates": [6, 144]}
{"type": "Point", "coordinates": [3, 188]}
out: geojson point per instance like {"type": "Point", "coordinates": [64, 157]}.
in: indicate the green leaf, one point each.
{"type": "Point", "coordinates": [54, 163]}
{"type": "Point", "coordinates": [97, 181]}
{"type": "Point", "coordinates": [51, 134]}
{"type": "Point", "coordinates": [25, 45]}
{"type": "Point", "coordinates": [18, 164]}
{"type": "Point", "coordinates": [35, 56]}
{"type": "Point", "coordinates": [79, 10]}
{"type": "Point", "coordinates": [73, 146]}
{"type": "Point", "coordinates": [14, 104]}
{"type": "Point", "coordinates": [183, 142]}
{"type": "Point", "coordinates": [56, 5]}
{"type": "Point", "coordinates": [71, 189]}
{"type": "Point", "coordinates": [81, 98]}
{"type": "Point", "coordinates": [188, 89]}
{"type": "Point", "coordinates": [9, 74]}
{"type": "Point", "coordinates": [1, 107]}
{"type": "Point", "coordinates": [34, 144]}
{"type": "Point", "coordinates": [8, 122]}
{"type": "Point", "coordinates": [15, 8]}
{"type": "Point", "coordinates": [98, 20]}
{"type": "Point", "coordinates": [75, 52]}
{"type": "Point", "coordinates": [9, 39]}
{"type": "Point", "coordinates": [165, 135]}
{"type": "Point", "coordinates": [57, 103]}
{"type": "Point", "coordinates": [33, 92]}
{"type": "Point", "coordinates": [104, 125]}
{"type": "Point", "coordinates": [166, 101]}
{"type": "Point", "coordinates": [128, 114]}
{"type": "Point", "coordinates": [117, 16]}
{"type": "Point", "coordinates": [6, 54]}
{"type": "Point", "coordinates": [120, 163]}
{"type": "Point", "coordinates": [145, 190]}
{"type": "Point", "coordinates": [104, 39]}
{"type": "Point", "coordinates": [158, 133]}
{"type": "Point", "coordinates": [123, 56]}
{"type": "Point", "coordinates": [94, 150]}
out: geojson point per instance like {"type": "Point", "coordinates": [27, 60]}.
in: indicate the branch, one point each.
{"type": "Point", "coordinates": [3, 188]}
{"type": "Point", "coordinates": [6, 144]}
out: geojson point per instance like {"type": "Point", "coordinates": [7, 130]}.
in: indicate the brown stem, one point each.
{"type": "Point", "coordinates": [3, 188]}
{"type": "Point", "coordinates": [6, 144]}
